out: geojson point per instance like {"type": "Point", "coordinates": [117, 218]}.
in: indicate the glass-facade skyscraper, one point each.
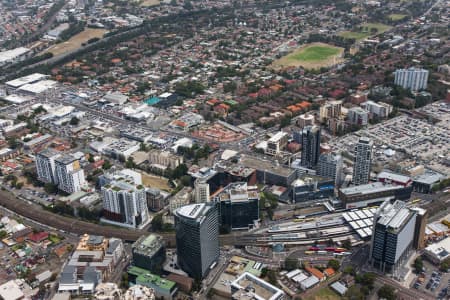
{"type": "Point", "coordinates": [393, 236]}
{"type": "Point", "coordinates": [197, 237]}
{"type": "Point", "coordinates": [310, 139]}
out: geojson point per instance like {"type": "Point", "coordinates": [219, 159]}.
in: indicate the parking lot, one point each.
{"type": "Point", "coordinates": [434, 282]}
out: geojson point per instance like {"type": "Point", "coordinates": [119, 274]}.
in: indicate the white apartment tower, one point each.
{"type": "Point", "coordinates": [124, 204]}
{"type": "Point", "coordinates": [363, 161]}
{"type": "Point", "coordinates": [412, 79]}
{"type": "Point", "coordinates": [45, 165]}
{"type": "Point", "coordinates": [277, 143]}
{"type": "Point", "coordinates": [69, 174]}
{"type": "Point", "coordinates": [330, 165]}
{"type": "Point", "coordinates": [201, 191]}
{"type": "Point", "coordinates": [330, 110]}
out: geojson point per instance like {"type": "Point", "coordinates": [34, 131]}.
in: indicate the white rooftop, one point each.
{"type": "Point", "coordinates": [16, 99]}
{"type": "Point", "coordinates": [11, 291]}
{"type": "Point", "coordinates": [37, 87]}
{"type": "Point", "coordinates": [278, 136]}
{"type": "Point", "coordinates": [394, 215]}
{"type": "Point", "coordinates": [393, 176]}
{"type": "Point", "coordinates": [8, 55]}
{"type": "Point", "coordinates": [191, 211]}
{"type": "Point", "coordinates": [369, 188]}
{"type": "Point", "coordinates": [26, 79]}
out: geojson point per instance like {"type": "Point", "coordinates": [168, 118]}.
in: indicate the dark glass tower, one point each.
{"type": "Point", "coordinates": [310, 146]}
{"type": "Point", "coordinates": [197, 237]}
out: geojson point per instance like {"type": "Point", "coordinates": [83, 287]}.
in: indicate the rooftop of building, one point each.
{"type": "Point", "coordinates": [369, 188]}
{"type": "Point", "coordinates": [145, 277]}
{"type": "Point", "coordinates": [26, 79]}
{"type": "Point", "coordinates": [428, 177]}
{"type": "Point", "coordinates": [277, 137]}
{"type": "Point", "coordinates": [308, 179]}
{"type": "Point", "coordinates": [49, 152]}
{"type": "Point", "coordinates": [265, 165]}
{"type": "Point", "coordinates": [238, 191]}
{"type": "Point", "coordinates": [92, 242]}
{"type": "Point", "coordinates": [192, 211]}
{"type": "Point", "coordinates": [11, 290]}
{"type": "Point", "coordinates": [365, 140]}
{"type": "Point", "coordinates": [148, 245]}
{"type": "Point", "coordinates": [65, 159]}
{"type": "Point", "coordinates": [440, 249]}
{"type": "Point", "coordinates": [252, 287]}
{"type": "Point", "coordinates": [123, 184]}
{"type": "Point", "coordinates": [394, 216]}
{"type": "Point", "coordinates": [393, 176]}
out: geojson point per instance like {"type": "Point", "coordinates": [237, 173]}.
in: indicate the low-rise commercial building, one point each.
{"type": "Point", "coordinates": [91, 263]}
{"type": "Point", "coordinates": [372, 193]}
{"type": "Point", "coordinates": [249, 287]}
{"type": "Point", "coordinates": [309, 187]}
{"type": "Point", "coordinates": [164, 159]}
{"type": "Point", "coordinates": [121, 149]}
{"type": "Point", "coordinates": [438, 252]}
{"type": "Point", "coordinates": [277, 143]}
{"type": "Point", "coordinates": [269, 173]}
{"type": "Point", "coordinates": [149, 252]}
{"type": "Point", "coordinates": [164, 289]}
{"type": "Point", "coordinates": [392, 178]}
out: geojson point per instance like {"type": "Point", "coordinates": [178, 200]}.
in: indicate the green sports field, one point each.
{"type": "Point", "coordinates": [315, 53]}
{"type": "Point", "coordinates": [397, 17]}
{"type": "Point", "coordinates": [311, 56]}
{"type": "Point", "coordinates": [366, 31]}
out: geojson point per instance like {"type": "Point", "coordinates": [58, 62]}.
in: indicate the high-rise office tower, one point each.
{"type": "Point", "coordinates": [363, 161]}
{"type": "Point", "coordinates": [201, 191]}
{"type": "Point", "coordinates": [412, 78]}
{"type": "Point", "coordinates": [45, 165]}
{"type": "Point", "coordinates": [238, 205]}
{"type": "Point", "coordinates": [125, 204]}
{"type": "Point", "coordinates": [330, 165]}
{"type": "Point", "coordinates": [197, 237]}
{"type": "Point", "coordinates": [310, 146]}
{"type": "Point", "coordinates": [393, 236]}
{"type": "Point", "coordinates": [69, 175]}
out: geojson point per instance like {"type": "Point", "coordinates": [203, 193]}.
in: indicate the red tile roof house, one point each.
{"type": "Point", "coordinates": [315, 272]}
{"type": "Point", "coordinates": [38, 237]}
{"type": "Point", "coordinates": [329, 272]}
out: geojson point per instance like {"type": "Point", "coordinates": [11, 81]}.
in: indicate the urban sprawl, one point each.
{"type": "Point", "coordinates": [225, 149]}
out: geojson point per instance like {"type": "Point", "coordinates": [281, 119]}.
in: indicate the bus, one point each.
{"type": "Point", "coordinates": [309, 219]}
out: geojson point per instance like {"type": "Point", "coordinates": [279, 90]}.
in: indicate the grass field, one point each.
{"type": "Point", "coordinates": [323, 294]}
{"type": "Point", "coordinates": [149, 3]}
{"type": "Point", "coordinates": [311, 56]}
{"type": "Point", "coordinates": [76, 41]}
{"type": "Point", "coordinates": [397, 17]}
{"type": "Point", "coordinates": [366, 31]}
{"type": "Point", "coordinates": [155, 181]}
{"type": "Point", "coordinates": [54, 239]}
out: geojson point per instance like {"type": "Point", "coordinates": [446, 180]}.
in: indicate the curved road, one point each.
{"type": "Point", "coordinates": [36, 213]}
